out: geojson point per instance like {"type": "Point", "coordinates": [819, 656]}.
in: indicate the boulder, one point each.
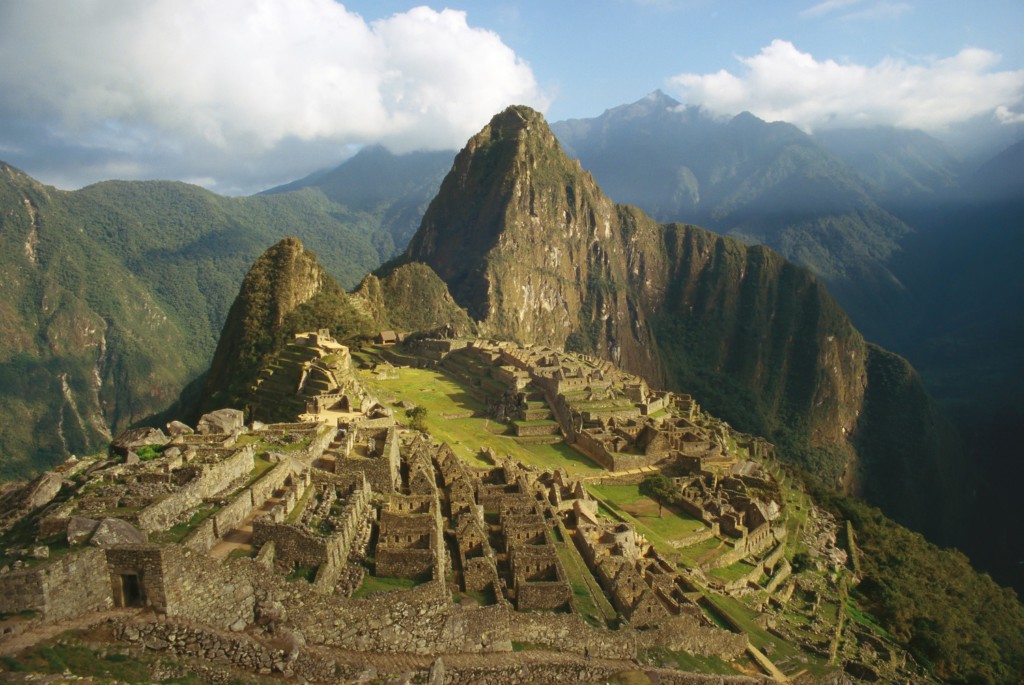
{"type": "Point", "coordinates": [222, 421]}
{"type": "Point", "coordinates": [135, 438]}
{"type": "Point", "coordinates": [112, 532]}
{"type": "Point", "coordinates": [80, 529]}
{"type": "Point", "coordinates": [43, 489]}
{"type": "Point", "coordinates": [176, 428]}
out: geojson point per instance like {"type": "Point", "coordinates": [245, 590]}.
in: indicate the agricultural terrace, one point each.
{"type": "Point", "coordinates": [457, 418]}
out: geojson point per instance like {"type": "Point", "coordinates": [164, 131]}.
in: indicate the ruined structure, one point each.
{"type": "Point", "coordinates": [272, 530]}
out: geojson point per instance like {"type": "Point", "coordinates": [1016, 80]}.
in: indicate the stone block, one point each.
{"type": "Point", "coordinates": [176, 428]}
{"type": "Point", "coordinates": [135, 438]}
{"type": "Point", "coordinates": [80, 529]}
{"type": "Point", "coordinates": [111, 532]}
{"type": "Point", "coordinates": [221, 421]}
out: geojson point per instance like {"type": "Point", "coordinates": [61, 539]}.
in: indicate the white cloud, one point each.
{"type": "Point", "coordinates": [205, 86]}
{"type": "Point", "coordinates": [874, 11]}
{"type": "Point", "coordinates": [879, 11]}
{"type": "Point", "coordinates": [783, 84]}
{"type": "Point", "coordinates": [827, 7]}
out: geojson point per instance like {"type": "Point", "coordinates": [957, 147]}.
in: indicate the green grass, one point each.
{"type": "Point", "coordinates": [702, 551]}
{"type": "Point", "coordinates": [261, 466]}
{"type": "Point", "coordinates": [79, 660]}
{"type": "Point", "coordinates": [590, 600]}
{"type": "Point", "coordinates": [442, 395]}
{"type": "Point", "coordinates": [671, 525]}
{"type": "Point", "coordinates": [373, 584]}
{"type": "Point", "coordinates": [179, 531]}
{"type": "Point", "coordinates": [733, 572]}
{"type": "Point", "coordinates": [300, 506]}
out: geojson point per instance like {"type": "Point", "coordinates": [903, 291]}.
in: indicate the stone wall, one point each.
{"type": "Point", "coordinates": [214, 478]}
{"type": "Point", "coordinates": [201, 589]}
{"type": "Point", "coordinates": [233, 513]}
{"type": "Point", "coordinates": [203, 538]}
{"type": "Point", "coordinates": [273, 479]}
{"type": "Point", "coordinates": [75, 584]}
{"type": "Point", "coordinates": [613, 461]}
{"type": "Point", "coordinates": [146, 563]}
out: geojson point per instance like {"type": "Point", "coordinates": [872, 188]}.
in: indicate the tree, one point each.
{"type": "Point", "coordinates": [417, 418]}
{"type": "Point", "coordinates": [658, 487]}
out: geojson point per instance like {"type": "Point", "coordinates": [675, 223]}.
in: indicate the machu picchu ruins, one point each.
{"type": "Point", "coordinates": [316, 534]}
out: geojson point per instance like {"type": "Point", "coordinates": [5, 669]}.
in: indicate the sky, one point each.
{"type": "Point", "coordinates": [242, 95]}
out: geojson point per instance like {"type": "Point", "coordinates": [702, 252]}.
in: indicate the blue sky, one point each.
{"type": "Point", "coordinates": [239, 95]}
{"type": "Point", "coordinates": [594, 55]}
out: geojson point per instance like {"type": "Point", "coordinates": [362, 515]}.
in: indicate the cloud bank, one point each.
{"type": "Point", "coordinates": [189, 88]}
{"type": "Point", "coordinates": [781, 83]}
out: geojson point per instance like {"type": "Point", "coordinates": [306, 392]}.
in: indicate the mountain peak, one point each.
{"type": "Point", "coordinates": [285, 290]}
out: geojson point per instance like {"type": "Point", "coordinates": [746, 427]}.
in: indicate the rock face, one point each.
{"type": "Point", "coordinates": [112, 532]}
{"type": "Point", "coordinates": [42, 490]}
{"type": "Point", "coordinates": [134, 438]}
{"type": "Point", "coordinates": [221, 421]}
{"type": "Point", "coordinates": [175, 428]}
{"type": "Point", "coordinates": [529, 245]}
{"type": "Point", "coordinates": [80, 529]}
{"type": "Point", "coordinates": [535, 252]}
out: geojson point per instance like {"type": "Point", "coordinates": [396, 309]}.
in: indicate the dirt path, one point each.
{"type": "Point", "coordinates": [11, 645]}
{"type": "Point", "coordinates": [240, 537]}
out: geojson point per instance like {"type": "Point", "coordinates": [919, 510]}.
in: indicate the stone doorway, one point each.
{"type": "Point", "coordinates": [128, 591]}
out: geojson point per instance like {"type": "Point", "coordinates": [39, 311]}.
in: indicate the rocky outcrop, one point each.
{"type": "Point", "coordinates": [134, 438]}
{"type": "Point", "coordinates": [286, 291]}
{"type": "Point", "coordinates": [533, 249]}
{"type": "Point", "coordinates": [221, 422]}
{"type": "Point", "coordinates": [112, 532]}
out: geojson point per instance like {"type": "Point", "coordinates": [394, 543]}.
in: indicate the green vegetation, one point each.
{"type": "Point", "coordinates": [147, 452]}
{"type": "Point", "coordinates": [959, 623]}
{"type": "Point", "coordinates": [417, 418]}
{"type": "Point", "coordinates": [658, 487]}
{"type": "Point", "coordinates": [443, 398]}
{"type": "Point", "coordinates": [144, 272]}
{"type": "Point", "coordinates": [733, 572]}
{"type": "Point", "coordinates": [682, 661]}
{"type": "Point", "coordinates": [179, 531]}
{"type": "Point", "coordinates": [646, 514]}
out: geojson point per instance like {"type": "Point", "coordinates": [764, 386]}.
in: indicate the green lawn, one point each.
{"type": "Point", "coordinates": [695, 555]}
{"type": "Point", "coordinates": [733, 572]}
{"type": "Point", "coordinates": [673, 524]}
{"type": "Point", "coordinates": [443, 396]}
